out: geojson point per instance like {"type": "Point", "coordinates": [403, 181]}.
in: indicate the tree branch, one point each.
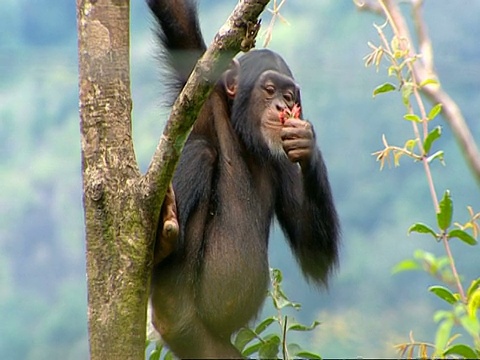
{"type": "Point", "coordinates": [424, 70]}
{"type": "Point", "coordinates": [122, 207]}
{"type": "Point", "coordinates": [117, 239]}
{"type": "Point", "coordinates": [237, 34]}
{"type": "Point", "coordinates": [368, 5]}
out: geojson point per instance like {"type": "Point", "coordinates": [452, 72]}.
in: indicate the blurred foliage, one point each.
{"type": "Point", "coordinates": [42, 271]}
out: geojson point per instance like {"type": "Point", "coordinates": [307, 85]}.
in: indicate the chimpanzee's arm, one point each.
{"type": "Point", "coordinates": [307, 214]}
{"type": "Point", "coordinates": [192, 184]}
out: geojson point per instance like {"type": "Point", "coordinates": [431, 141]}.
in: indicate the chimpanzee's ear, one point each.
{"type": "Point", "coordinates": [230, 79]}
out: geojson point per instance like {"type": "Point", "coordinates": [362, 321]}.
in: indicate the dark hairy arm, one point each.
{"type": "Point", "coordinates": [306, 213]}
{"type": "Point", "coordinates": [193, 186]}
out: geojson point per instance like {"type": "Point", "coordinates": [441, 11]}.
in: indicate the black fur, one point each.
{"type": "Point", "coordinates": [228, 187]}
{"type": "Point", "coordinates": [178, 31]}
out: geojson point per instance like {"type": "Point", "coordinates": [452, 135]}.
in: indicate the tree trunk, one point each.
{"type": "Point", "coordinates": [121, 206]}
{"type": "Point", "coordinates": [118, 235]}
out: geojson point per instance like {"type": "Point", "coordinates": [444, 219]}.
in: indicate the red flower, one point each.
{"type": "Point", "coordinates": [288, 113]}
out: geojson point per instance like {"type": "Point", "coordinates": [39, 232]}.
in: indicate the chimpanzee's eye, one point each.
{"type": "Point", "coordinates": [270, 89]}
{"type": "Point", "coordinates": [288, 96]}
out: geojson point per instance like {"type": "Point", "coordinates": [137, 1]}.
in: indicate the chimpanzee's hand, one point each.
{"type": "Point", "coordinates": [298, 140]}
{"type": "Point", "coordinates": [168, 229]}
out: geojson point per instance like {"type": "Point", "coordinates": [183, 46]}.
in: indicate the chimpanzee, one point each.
{"type": "Point", "coordinates": [242, 164]}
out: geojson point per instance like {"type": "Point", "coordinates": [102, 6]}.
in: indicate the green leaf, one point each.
{"type": "Point", "coordinates": [384, 88]}
{"type": "Point", "coordinates": [438, 155]}
{"type": "Point", "coordinates": [435, 111]}
{"type": "Point", "coordinates": [406, 265]}
{"type": "Point", "coordinates": [251, 349]}
{"type": "Point", "coordinates": [270, 348]}
{"type": "Point", "coordinates": [281, 301]}
{"type": "Point", "coordinates": [155, 355]}
{"type": "Point", "coordinates": [420, 254]}
{"type": "Point", "coordinates": [276, 275]}
{"type": "Point", "coordinates": [444, 216]}
{"type": "Point", "coordinates": [442, 315]}
{"type": "Point", "coordinates": [395, 44]}
{"type": "Point", "coordinates": [293, 349]}
{"type": "Point", "coordinates": [307, 355]}
{"type": "Point", "coordinates": [243, 337]}
{"type": "Point", "coordinates": [407, 90]}
{"type": "Point", "coordinates": [169, 356]}
{"type": "Point", "coordinates": [422, 229]}
{"type": "Point", "coordinates": [470, 324]}
{"type": "Point", "coordinates": [393, 70]}
{"type": "Point", "coordinates": [425, 256]}
{"type": "Point", "coordinates": [443, 334]}
{"type": "Point", "coordinates": [432, 136]}
{"type": "Point", "coordinates": [443, 262]}
{"type": "Point", "coordinates": [443, 293]}
{"type": "Point", "coordinates": [462, 235]}
{"type": "Point", "coordinates": [473, 286]}
{"type": "Point", "coordinates": [265, 324]}
{"type": "Point", "coordinates": [473, 303]}
{"type": "Point", "coordinates": [301, 327]}
{"type": "Point", "coordinates": [410, 144]}
{"type": "Point", "coordinates": [428, 82]}
{"type": "Point", "coordinates": [463, 350]}
{"type": "Point", "coordinates": [412, 117]}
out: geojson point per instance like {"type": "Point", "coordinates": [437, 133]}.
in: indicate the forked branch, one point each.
{"type": "Point", "coordinates": [237, 34]}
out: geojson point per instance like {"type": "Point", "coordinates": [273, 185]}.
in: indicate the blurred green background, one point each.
{"type": "Point", "coordinates": [366, 310]}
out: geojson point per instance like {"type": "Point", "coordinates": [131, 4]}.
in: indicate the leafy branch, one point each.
{"type": "Point", "coordinates": [405, 66]}
{"type": "Point", "coordinates": [401, 57]}
{"type": "Point", "coordinates": [424, 72]}
{"type": "Point", "coordinates": [256, 341]}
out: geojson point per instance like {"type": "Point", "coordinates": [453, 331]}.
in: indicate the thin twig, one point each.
{"type": "Point", "coordinates": [284, 339]}
{"type": "Point", "coordinates": [400, 30]}
{"type": "Point", "coordinates": [426, 70]}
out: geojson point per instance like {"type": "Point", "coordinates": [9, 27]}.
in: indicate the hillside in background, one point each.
{"type": "Point", "coordinates": [42, 266]}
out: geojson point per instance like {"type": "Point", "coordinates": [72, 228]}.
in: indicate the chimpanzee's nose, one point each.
{"type": "Point", "coordinates": [280, 106]}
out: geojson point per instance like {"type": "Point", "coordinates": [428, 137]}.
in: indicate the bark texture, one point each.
{"type": "Point", "coordinates": [121, 206]}
{"type": "Point", "coordinates": [117, 233]}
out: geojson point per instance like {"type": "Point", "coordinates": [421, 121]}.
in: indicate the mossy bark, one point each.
{"type": "Point", "coordinates": [118, 234]}
{"type": "Point", "coordinates": [121, 206]}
